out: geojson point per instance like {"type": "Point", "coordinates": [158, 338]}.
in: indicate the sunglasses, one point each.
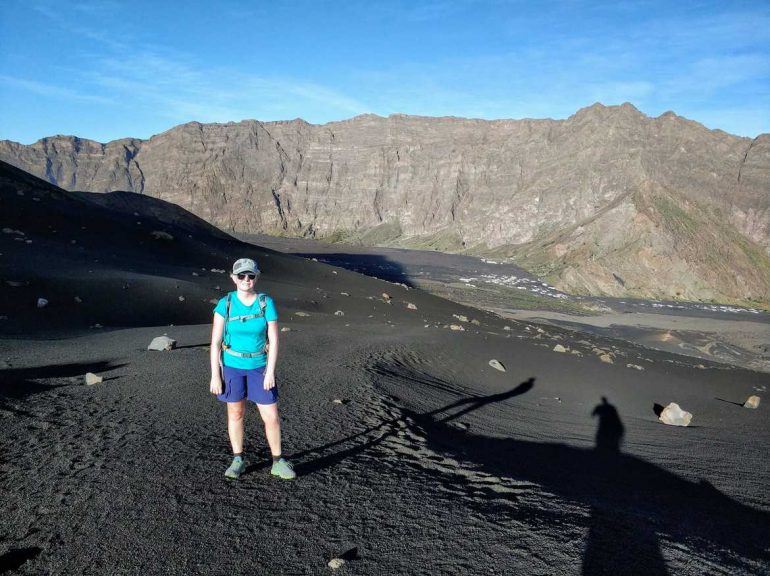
{"type": "Point", "coordinates": [249, 275]}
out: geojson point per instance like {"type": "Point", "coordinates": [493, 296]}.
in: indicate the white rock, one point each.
{"type": "Point", "coordinates": [673, 415]}
{"type": "Point", "coordinates": [635, 366]}
{"type": "Point", "coordinates": [752, 402]}
{"type": "Point", "coordinates": [92, 379]}
{"type": "Point", "coordinates": [559, 348]}
{"type": "Point", "coordinates": [456, 327]}
{"type": "Point", "coordinates": [411, 306]}
{"type": "Point", "coordinates": [285, 329]}
{"type": "Point", "coordinates": [338, 401]}
{"type": "Point", "coordinates": [335, 563]}
{"type": "Point", "coordinates": [301, 314]}
{"type": "Point", "coordinates": [344, 294]}
{"type": "Point", "coordinates": [506, 327]}
{"type": "Point", "coordinates": [78, 300]}
{"type": "Point", "coordinates": [460, 317]}
{"type": "Point", "coordinates": [181, 298]}
{"type": "Point", "coordinates": [497, 365]}
{"type": "Point", "coordinates": [385, 296]}
{"type": "Point", "coordinates": [42, 302]}
{"type": "Point", "coordinates": [606, 358]}
{"type": "Point", "coordinates": [162, 343]}
{"type": "Point", "coordinates": [339, 313]}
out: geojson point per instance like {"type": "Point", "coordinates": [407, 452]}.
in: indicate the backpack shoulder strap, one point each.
{"type": "Point", "coordinates": [262, 302]}
{"type": "Point", "coordinates": [227, 316]}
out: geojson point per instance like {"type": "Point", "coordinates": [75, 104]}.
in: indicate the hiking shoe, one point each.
{"type": "Point", "coordinates": [236, 469]}
{"type": "Point", "coordinates": [283, 469]}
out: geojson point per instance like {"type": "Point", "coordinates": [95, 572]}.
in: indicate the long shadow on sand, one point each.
{"type": "Point", "coordinates": [633, 503]}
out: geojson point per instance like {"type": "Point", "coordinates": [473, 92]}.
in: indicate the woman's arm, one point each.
{"type": "Point", "coordinates": [272, 354]}
{"type": "Point", "coordinates": [216, 349]}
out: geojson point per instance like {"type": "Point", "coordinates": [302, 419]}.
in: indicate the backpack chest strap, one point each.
{"type": "Point", "coordinates": [244, 317]}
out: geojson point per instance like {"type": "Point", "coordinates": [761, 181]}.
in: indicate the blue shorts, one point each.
{"type": "Point", "coordinates": [239, 384]}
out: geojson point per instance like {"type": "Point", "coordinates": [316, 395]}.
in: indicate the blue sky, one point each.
{"type": "Point", "coordinates": [111, 69]}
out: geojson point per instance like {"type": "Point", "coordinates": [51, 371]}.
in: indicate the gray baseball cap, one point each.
{"type": "Point", "coordinates": [245, 265]}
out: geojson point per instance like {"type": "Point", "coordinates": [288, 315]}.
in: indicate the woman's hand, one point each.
{"type": "Point", "coordinates": [269, 380]}
{"type": "Point", "coordinates": [216, 385]}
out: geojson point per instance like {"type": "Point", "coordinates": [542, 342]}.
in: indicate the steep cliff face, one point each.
{"type": "Point", "coordinates": [607, 201]}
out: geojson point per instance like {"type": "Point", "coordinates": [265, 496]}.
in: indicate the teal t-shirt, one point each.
{"type": "Point", "coordinates": [249, 335]}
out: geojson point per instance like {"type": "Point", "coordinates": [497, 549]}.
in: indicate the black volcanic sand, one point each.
{"type": "Point", "coordinates": [434, 462]}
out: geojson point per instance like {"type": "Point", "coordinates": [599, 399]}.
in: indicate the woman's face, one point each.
{"type": "Point", "coordinates": [244, 281]}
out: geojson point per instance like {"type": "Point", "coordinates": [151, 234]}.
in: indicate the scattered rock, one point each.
{"type": "Point", "coordinates": [97, 325]}
{"type": "Point", "coordinates": [576, 352]}
{"type": "Point", "coordinates": [475, 322]}
{"type": "Point", "coordinates": [559, 348]}
{"type": "Point", "coordinates": [497, 365]}
{"type": "Point", "coordinates": [218, 271]}
{"type": "Point", "coordinates": [456, 327]}
{"type": "Point", "coordinates": [635, 366]}
{"type": "Point", "coordinates": [338, 401]}
{"type": "Point", "coordinates": [339, 313]}
{"type": "Point", "coordinates": [459, 425]}
{"type": "Point", "coordinates": [334, 271]}
{"type": "Point", "coordinates": [335, 563]}
{"type": "Point", "coordinates": [385, 296]}
{"type": "Point", "coordinates": [162, 344]}
{"type": "Point", "coordinates": [411, 306]}
{"type": "Point", "coordinates": [12, 231]}
{"type": "Point", "coordinates": [195, 274]}
{"type": "Point", "coordinates": [213, 301]}
{"type": "Point", "coordinates": [15, 284]}
{"type": "Point", "coordinates": [78, 300]}
{"type": "Point", "coordinates": [160, 235]}
{"type": "Point", "coordinates": [344, 294]}
{"type": "Point", "coordinates": [42, 302]}
{"type": "Point", "coordinates": [181, 298]}
{"type": "Point", "coordinates": [285, 329]}
{"type": "Point", "coordinates": [752, 402]}
{"type": "Point", "coordinates": [606, 358]}
{"type": "Point", "coordinates": [673, 415]}
{"type": "Point", "coordinates": [460, 317]}
{"type": "Point", "coordinates": [92, 379]}
{"type": "Point", "coordinates": [301, 314]}
{"type": "Point", "coordinates": [506, 327]}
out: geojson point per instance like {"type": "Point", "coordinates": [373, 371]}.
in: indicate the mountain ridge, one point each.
{"type": "Point", "coordinates": [487, 187]}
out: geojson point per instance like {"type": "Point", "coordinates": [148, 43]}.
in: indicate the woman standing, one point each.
{"type": "Point", "coordinates": [245, 339]}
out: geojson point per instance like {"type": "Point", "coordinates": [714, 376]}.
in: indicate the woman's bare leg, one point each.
{"type": "Point", "coordinates": [269, 414]}
{"type": "Point", "coordinates": [235, 412]}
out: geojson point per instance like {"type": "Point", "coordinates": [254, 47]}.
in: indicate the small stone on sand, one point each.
{"type": "Point", "coordinates": [285, 329]}
{"type": "Point", "coordinates": [497, 365]}
{"type": "Point", "coordinates": [159, 235]}
{"type": "Point", "coordinates": [92, 379]}
{"type": "Point", "coordinates": [606, 358]}
{"type": "Point", "coordinates": [78, 300]}
{"type": "Point", "coordinates": [338, 401]}
{"type": "Point", "coordinates": [181, 298]}
{"type": "Point", "coordinates": [456, 327]}
{"type": "Point", "coordinates": [385, 296]}
{"type": "Point", "coordinates": [411, 306]}
{"type": "Point", "coordinates": [339, 313]}
{"type": "Point", "coordinates": [475, 322]}
{"type": "Point", "coordinates": [303, 314]}
{"type": "Point", "coordinates": [42, 302]}
{"type": "Point", "coordinates": [559, 348]}
{"type": "Point", "coordinates": [673, 415]}
{"type": "Point", "coordinates": [162, 344]}
{"type": "Point", "coordinates": [335, 563]}
{"type": "Point", "coordinates": [344, 294]}
{"type": "Point", "coordinates": [752, 402]}
{"type": "Point", "coordinates": [460, 317]}
{"type": "Point", "coordinates": [635, 366]}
